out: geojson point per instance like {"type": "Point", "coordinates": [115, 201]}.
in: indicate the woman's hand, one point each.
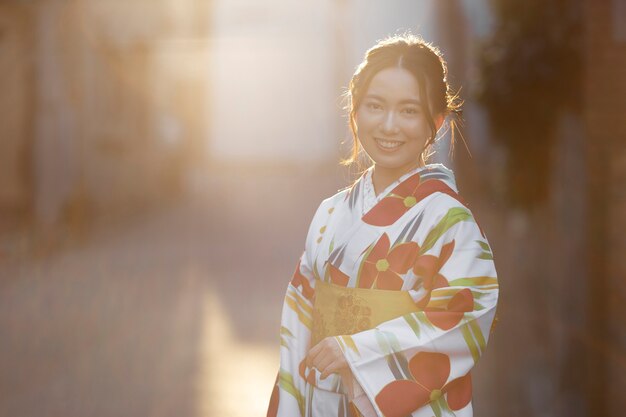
{"type": "Point", "coordinates": [328, 358]}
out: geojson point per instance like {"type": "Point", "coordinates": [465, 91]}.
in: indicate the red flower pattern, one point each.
{"type": "Point", "coordinates": [382, 267]}
{"type": "Point", "coordinates": [336, 276]}
{"type": "Point", "coordinates": [428, 266]}
{"type": "Point", "coordinates": [446, 318]}
{"type": "Point", "coordinates": [430, 371]}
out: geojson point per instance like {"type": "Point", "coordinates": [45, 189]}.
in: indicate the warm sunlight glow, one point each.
{"type": "Point", "coordinates": [235, 379]}
{"type": "Point", "coordinates": [271, 86]}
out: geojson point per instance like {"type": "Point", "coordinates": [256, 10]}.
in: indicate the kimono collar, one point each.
{"type": "Point", "coordinates": [433, 171]}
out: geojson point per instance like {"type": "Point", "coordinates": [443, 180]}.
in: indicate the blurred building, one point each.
{"type": "Point", "coordinates": [562, 342]}
{"type": "Point", "coordinates": [605, 107]}
{"type": "Point", "coordinates": [103, 104]}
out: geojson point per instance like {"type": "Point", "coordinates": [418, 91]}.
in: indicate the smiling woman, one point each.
{"type": "Point", "coordinates": [399, 95]}
{"type": "Point", "coordinates": [392, 301]}
{"type": "Point", "coordinates": [392, 124]}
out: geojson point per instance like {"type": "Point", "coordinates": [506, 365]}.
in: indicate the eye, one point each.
{"type": "Point", "coordinates": [410, 110]}
{"type": "Point", "coordinates": [373, 106]}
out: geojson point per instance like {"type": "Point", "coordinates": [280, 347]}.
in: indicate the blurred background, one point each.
{"type": "Point", "coordinates": [160, 161]}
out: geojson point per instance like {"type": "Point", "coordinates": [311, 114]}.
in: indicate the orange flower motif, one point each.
{"type": "Point", "coordinates": [337, 277]}
{"type": "Point", "coordinates": [382, 267]}
{"type": "Point", "coordinates": [299, 280]}
{"type": "Point", "coordinates": [430, 371]}
{"type": "Point", "coordinates": [446, 318]}
{"type": "Point", "coordinates": [428, 266]}
{"type": "Point", "coordinates": [404, 196]}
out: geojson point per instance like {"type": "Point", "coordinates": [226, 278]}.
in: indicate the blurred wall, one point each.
{"type": "Point", "coordinates": [105, 107]}
{"type": "Point", "coordinates": [16, 103]}
{"type": "Point", "coordinates": [605, 89]}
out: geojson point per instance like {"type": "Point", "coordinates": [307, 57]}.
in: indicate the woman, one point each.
{"type": "Point", "coordinates": [394, 296]}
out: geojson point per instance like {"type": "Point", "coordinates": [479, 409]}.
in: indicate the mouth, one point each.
{"type": "Point", "coordinates": [388, 145]}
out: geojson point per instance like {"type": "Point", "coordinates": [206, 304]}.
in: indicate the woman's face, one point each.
{"type": "Point", "coordinates": [390, 121]}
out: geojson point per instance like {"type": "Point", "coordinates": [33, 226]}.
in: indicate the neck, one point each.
{"type": "Point", "coordinates": [382, 177]}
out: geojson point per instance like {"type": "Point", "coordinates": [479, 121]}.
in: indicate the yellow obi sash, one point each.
{"type": "Point", "coordinates": [339, 310]}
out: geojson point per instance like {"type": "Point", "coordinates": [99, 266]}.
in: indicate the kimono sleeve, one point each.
{"type": "Point", "coordinates": [288, 395]}
{"type": "Point", "coordinates": [422, 361]}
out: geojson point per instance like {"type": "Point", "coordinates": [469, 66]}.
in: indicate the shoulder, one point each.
{"type": "Point", "coordinates": [445, 194]}
{"type": "Point", "coordinates": [453, 213]}
{"type": "Point", "coordinates": [331, 202]}
{"type": "Point", "coordinates": [442, 202]}
{"type": "Point", "coordinates": [448, 207]}
{"type": "Point", "coordinates": [321, 218]}
{"type": "Point", "coordinates": [328, 206]}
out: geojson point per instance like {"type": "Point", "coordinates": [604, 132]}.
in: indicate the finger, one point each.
{"type": "Point", "coordinates": [337, 364]}
{"type": "Point", "coordinates": [335, 344]}
{"type": "Point", "coordinates": [332, 367]}
{"type": "Point", "coordinates": [323, 360]}
{"type": "Point", "coordinates": [313, 352]}
{"type": "Point", "coordinates": [329, 351]}
{"type": "Point", "coordinates": [317, 349]}
{"type": "Point", "coordinates": [326, 346]}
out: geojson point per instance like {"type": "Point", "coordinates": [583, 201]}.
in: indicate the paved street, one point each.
{"type": "Point", "coordinates": [173, 314]}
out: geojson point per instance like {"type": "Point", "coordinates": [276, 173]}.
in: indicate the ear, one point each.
{"type": "Point", "coordinates": [439, 120]}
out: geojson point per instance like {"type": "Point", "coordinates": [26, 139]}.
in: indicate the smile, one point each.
{"type": "Point", "coordinates": [388, 144]}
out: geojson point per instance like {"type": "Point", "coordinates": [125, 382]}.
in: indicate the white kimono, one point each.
{"type": "Point", "coordinates": [417, 236]}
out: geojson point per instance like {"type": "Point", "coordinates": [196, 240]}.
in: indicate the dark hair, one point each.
{"type": "Point", "coordinates": [427, 65]}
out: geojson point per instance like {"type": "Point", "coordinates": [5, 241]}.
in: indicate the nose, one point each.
{"type": "Point", "coordinates": [389, 125]}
